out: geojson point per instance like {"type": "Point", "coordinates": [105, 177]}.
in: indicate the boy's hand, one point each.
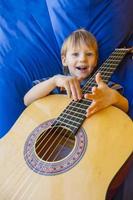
{"type": "Point", "coordinates": [71, 85]}
{"type": "Point", "coordinates": [102, 96]}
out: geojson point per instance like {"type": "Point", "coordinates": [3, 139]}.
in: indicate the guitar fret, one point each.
{"type": "Point", "coordinates": [67, 124]}
{"type": "Point", "coordinates": [117, 56]}
{"type": "Point", "coordinates": [109, 66]}
{"type": "Point", "coordinates": [69, 115]}
{"type": "Point", "coordinates": [59, 120]}
{"type": "Point", "coordinates": [116, 62]}
{"type": "Point", "coordinates": [86, 100]}
{"type": "Point", "coordinates": [112, 61]}
{"type": "Point", "coordinates": [82, 104]}
{"type": "Point", "coordinates": [107, 76]}
{"type": "Point", "coordinates": [106, 72]}
{"type": "Point", "coordinates": [82, 109]}
{"type": "Point", "coordinates": [75, 112]}
{"type": "Point", "coordinates": [112, 64]}
{"type": "Point", "coordinates": [109, 71]}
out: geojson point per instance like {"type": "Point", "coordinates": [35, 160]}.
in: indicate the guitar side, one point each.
{"type": "Point", "coordinates": [110, 143]}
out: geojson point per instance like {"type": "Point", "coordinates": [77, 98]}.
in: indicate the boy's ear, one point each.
{"type": "Point", "coordinates": [63, 58]}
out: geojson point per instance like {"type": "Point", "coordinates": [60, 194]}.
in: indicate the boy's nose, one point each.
{"type": "Point", "coordinates": [82, 57]}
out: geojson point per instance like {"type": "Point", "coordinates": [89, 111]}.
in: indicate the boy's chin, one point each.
{"type": "Point", "coordinates": [82, 77]}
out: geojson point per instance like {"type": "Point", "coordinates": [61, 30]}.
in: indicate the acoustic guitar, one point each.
{"type": "Point", "coordinates": [53, 152]}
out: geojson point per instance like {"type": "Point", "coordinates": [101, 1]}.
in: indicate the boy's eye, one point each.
{"type": "Point", "coordinates": [75, 54]}
{"type": "Point", "coordinates": [89, 54]}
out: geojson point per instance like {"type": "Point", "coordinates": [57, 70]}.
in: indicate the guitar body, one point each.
{"type": "Point", "coordinates": [109, 143]}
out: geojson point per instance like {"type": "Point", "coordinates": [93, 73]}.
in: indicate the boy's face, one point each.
{"type": "Point", "coordinates": [80, 61]}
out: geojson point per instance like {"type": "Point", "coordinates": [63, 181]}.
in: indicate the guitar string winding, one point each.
{"type": "Point", "coordinates": [57, 129]}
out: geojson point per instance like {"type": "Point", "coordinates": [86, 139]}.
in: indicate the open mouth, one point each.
{"type": "Point", "coordinates": [81, 68]}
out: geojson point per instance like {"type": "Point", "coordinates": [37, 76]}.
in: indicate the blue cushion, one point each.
{"type": "Point", "coordinates": [32, 33]}
{"type": "Point", "coordinates": [28, 51]}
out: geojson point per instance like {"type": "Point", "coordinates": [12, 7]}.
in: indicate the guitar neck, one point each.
{"type": "Point", "coordinates": [74, 114]}
{"type": "Point", "coordinates": [107, 68]}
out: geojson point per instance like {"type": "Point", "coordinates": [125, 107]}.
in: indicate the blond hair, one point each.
{"type": "Point", "coordinates": [78, 37]}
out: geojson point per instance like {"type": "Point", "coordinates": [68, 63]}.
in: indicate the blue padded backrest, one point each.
{"type": "Point", "coordinates": [32, 32]}
{"type": "Point", "coordinates": [108, 20]}
{"type": "Point", "coordinates": [28, 51]}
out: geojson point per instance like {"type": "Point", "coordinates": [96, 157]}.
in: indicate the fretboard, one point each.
{"type": "Point", "coordinates": [74, 114]}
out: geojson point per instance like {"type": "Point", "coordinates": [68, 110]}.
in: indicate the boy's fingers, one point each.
{"type": "Point", "coordinates": [90, 110]}
{"type": "Point", "coordinates": [75, 89]}
{"type": "Point", "coordinates": [98, 79]}
{"type": "Point", "coordinates": [78, 89]}
{"type": "Point", "coordinates": [89, 96]}
{"type": "Point", "coordinates": [73, 92]}
{"type": "Point", "coordinates": [94, 89]}
{"type": "Point", "coordinates": [68, 90]}
{"type": "Point", "coordinates": [69, 94]}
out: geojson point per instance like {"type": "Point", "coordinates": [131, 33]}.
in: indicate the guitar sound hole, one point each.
{"type": "Point", "coordinates": [54, 144]}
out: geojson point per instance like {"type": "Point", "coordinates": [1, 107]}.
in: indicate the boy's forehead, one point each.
{"type": "Point", "coordinates": [79, 47]}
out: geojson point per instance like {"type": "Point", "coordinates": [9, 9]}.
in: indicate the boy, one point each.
{"type": "Point", "coordinates": [79, 55]}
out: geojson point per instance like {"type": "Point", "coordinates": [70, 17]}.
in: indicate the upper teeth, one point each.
{"type": "Point", "coordinates": [81, 67]}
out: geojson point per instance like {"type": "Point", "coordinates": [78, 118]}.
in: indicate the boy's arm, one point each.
{"type": "Point", "coordinates": [40, 90]}
{"type": "Point", "coordinates": [70, 83]}
{"type": "Point", "coordinates": [120, 101]}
